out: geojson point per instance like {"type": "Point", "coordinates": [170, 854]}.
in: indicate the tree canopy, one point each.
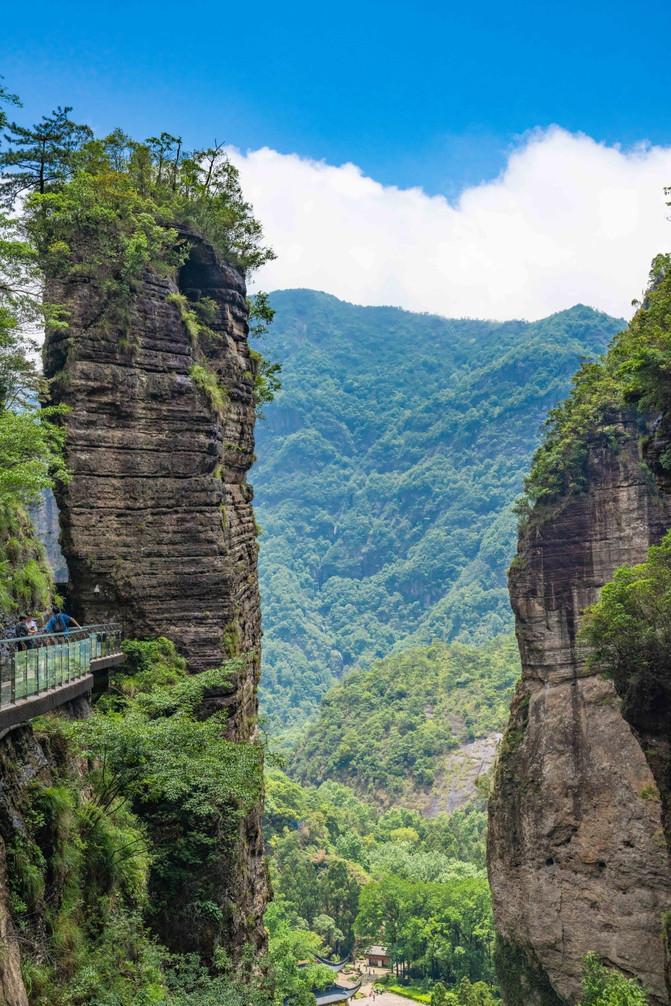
{"type": "Point", "coordinates": [385, 730]}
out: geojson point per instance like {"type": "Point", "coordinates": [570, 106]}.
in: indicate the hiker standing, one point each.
{"type": "Point", "coordinates": [60, 622]}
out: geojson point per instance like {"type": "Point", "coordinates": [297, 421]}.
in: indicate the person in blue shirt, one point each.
{"type": "Point", "coordinates": [60, 621]}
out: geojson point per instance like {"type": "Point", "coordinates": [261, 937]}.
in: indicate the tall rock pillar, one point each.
{"type": "Point", "coordinates": [157, 524]}
{"type": "Point", "coordinates": [578, 860]}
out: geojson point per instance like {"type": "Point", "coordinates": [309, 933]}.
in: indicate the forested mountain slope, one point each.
{"type": "Point", "coordinates": [417, 728]}
{"type": "Point", "coordinates": [387, 467]}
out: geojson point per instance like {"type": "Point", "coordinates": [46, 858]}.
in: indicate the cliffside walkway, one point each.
{"type": "Point", "coordinates": [46, 671]}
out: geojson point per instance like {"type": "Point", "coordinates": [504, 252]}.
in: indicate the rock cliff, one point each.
{"type": "Point", "coordinates": [578, 855]}
{"type": "Point", "coordinates": [157, 524]}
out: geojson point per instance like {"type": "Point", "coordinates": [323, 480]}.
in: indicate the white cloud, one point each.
{"type": "Point", "coordinates": [569, 220]}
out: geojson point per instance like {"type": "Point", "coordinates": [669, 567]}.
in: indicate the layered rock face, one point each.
{"type": "Point", "coordinates": [157, 523]}
{"type": "Point", "coordinates": [578, 857]}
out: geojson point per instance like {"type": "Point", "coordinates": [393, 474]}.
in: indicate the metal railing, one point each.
{"type": "Point", "coordinates": [31, 665]}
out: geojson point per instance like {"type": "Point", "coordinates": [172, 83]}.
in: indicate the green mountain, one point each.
{"type": "Point", "coordinates": [388, 465]}
{"type": "Point", "coordinates": [416, 729]}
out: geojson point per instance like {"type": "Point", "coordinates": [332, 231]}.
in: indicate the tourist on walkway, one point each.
{"type": "Point", "coordinates": [21, 633]}
{"type": "Point", "coordinates": [60, 622]}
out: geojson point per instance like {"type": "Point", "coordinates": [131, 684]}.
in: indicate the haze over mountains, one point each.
{"type": "Point", "coordinates": [388, 467]}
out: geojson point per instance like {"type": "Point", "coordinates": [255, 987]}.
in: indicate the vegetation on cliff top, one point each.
{"type": "Point", "coordinates": [104, 209]}
{"type": "Point", "coordinates": [384, 730]}
{"type": "Point", "coordinates": [98, 209]}
{"type": "Point", "coordinates": [387, 470]}
{"type": "Point", "coordinates": [634, 374]}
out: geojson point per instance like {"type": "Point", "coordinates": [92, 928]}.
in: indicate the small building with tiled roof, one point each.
{"type": "Point", "coordinates": [378, 957]}
{"type": "Point", "coordinates": [335, 994]}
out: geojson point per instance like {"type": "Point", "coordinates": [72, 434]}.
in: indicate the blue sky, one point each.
{"type": "Point", "coordinates": [429, 94]}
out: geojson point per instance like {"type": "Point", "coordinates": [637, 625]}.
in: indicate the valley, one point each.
{"type": "Point", "coordinates": [387, 471]}
{"type": "Point", "coordinates": [335, 638]}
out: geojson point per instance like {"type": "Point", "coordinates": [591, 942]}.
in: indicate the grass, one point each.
{"type": "Point", "coordinates": [414, 992]}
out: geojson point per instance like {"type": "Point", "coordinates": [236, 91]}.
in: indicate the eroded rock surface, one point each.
{"type": "Point", "coordinates": [578, 859]}
{"type": "Point", "coordinates": [157, 522]}
{"type": "Point", "coordinates": [157, 525]}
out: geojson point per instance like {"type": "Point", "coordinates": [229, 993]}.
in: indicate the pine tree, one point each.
{"type": "Point", "coordinates": [37, 156]}
{"type": "Point", "coordinates": [6, 98]}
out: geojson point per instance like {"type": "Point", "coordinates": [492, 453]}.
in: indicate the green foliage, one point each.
{"type": "Point", "coordinates": [103, 210]}
{"type": "Point", "coordinates": [267, 381]}
{"type": "Point", "coordinates": [629, 634]}
{"type": "Point", "coordinates": [634, 373]}
{"type": "Point", "coordinates": [388, 466]}
{"type": "Point", "coordinates": [77, 883]}
{"type": "Point", "coordinates": [128, 194]}
{"type": "Point", "coordinates": [30, 454]}
{"type": "Point", "coordinates": [207, 381]}
{"type": "Point", "coordinates": [432, 930]}
{"type": "Point", "coordinates": [605, 987]}
{"type": "Point", "coordinates": [148, 664]}
{"type": "Point", "coordinates": [384, 730]}
{"type": "Point", "coordinates": [188, 784]}
{"type": "Point", "coordinates": [99, 227]}
{"type": "Point", "coordinates": [438, 995]}
{"type": "Point", "coordinates": [471, 994]}
{"type": "Point", "coordinates": [290, 944]}
{"type": "Point", "coordinates": [41, 155]}
{"type": "Point", "coordinates": [25, 579]}
{"type": "Point", "coordinates": [146, 798]}
{"type": "Point", "coordinates": [6, 98]}
{"type": "Point", "coordinates": [338, 865]}
{"type": "Point", "coordinates": [417, 993]}
{"type": "Point", "coordinates": [188, 315]}
{"type": "Point", "coordinates": [466, 993]}
{"type": "Point", "coordinates": [30, 442]}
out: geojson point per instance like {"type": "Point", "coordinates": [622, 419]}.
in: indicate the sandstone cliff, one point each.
{"type": "Point", "coordinates": [578, 856]}
{"type": "Point", "coordinates": [157, 524]}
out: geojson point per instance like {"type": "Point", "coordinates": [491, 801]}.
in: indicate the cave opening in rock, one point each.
{"type": "Point", "coordinates": [201, 273]}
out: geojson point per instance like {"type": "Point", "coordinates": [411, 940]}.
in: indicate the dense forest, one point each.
{"type": "Point", "coordinates": [336, 861]}
{"type": "Point", "coordinates": [388, 731]}
{"type": "Point", "coordinates": [388, 466]}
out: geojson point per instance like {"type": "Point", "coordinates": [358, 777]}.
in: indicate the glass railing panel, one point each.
{"type": "Point", "coordinates": [32, 665]}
